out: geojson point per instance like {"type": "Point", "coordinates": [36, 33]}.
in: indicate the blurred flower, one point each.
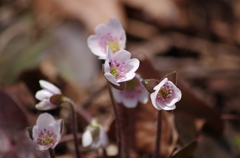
{"type": "Point", "coordinates": [47, 132]}
{"type": "Point", "coordinates": [111, 35]}
{"type": "Point", "coordinates": [45, 94]}
{"type": "Point", "coordinates": [94, 136]}
{"type": "Point", "coordinates": [119, 67]}
{"type": "Point", "coordinates": [133, 93]}
{"type": "Point", "coordinates": [165, 96]}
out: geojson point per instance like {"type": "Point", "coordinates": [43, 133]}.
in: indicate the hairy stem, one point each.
{"type": "Point", "coordinates": [158, 135]}
{"type": "Point", "coordinates": [74, 125]}
{"type": "Point", "coordinates": [122, 148]}
{"type": "Point", "coordinates": [51, 152]}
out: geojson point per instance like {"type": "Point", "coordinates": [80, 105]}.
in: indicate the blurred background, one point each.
{"type": "Point", "coordinates": [200, 39]}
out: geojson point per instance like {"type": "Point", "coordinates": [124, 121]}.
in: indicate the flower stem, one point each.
{"type": "Point", "coordinates": [121, 139]}
{"type": "Point", "coordinates": [51, 152]}
{"type": "Point", "coordinates": [158, 135]}
{"type": "Point", "coordinates": [74, 124]}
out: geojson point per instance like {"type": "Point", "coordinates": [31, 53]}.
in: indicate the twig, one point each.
{"type": "Point", "coordinates": [119, 127]}
{"type": "Point", "coordinates": [116, 117]}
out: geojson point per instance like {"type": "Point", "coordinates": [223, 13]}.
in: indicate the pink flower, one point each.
{"type": "Point", "coordinates": [94, 136]}
{"type": "Point", "coordinates": [47, 132]}
{"type": "Point", "coordinates": [165, 96]}
{"type": "Point", "coordinates": [119, 67]}
{"type": "Point", "coordinates": [135, 92]}
{"type": "Point", "coordinates": [45, 94]}
{"type": "Point", "coordinates": [111, 35]}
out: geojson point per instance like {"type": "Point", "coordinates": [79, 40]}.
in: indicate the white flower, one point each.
{"type": "Point", "coordinates": [111, 35]}
{"type": "Point", "coordinates": [47, 132]}
{"type": "Point", "coordinates": [135, 92]}
{"type": "Point", "coordinates": [94, 136]}
{"type": "Point", "coordinates": [165, 96]}
{"type": "Point", "coordinates": [45, 94]}
{"type": "Point", "coordinates": [119, 67]}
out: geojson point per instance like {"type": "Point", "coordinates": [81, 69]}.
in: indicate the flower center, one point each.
{"type": "Point", "coordinates": [117, 69]}
{"type": "Point", "coordinates": [165, 92]}
{"type": "Point", "coordinates": [111, 41]}
{"type": "Point", "coordinates": [113, 46]}
{"type": "Point", "coordinates": [46, 138]}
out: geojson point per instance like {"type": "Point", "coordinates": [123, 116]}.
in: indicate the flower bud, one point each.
{"type": "Point", "coordinates": [94, 136]}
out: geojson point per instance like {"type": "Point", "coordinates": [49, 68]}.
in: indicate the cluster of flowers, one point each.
{"type": "Point", "coordinates": [108, 44]}
{"type": "Point", "coordinates": [47, 132]}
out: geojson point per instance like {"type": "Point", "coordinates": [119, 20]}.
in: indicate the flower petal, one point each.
{"type": "Point", "coordinates": [55, 127]}
{"type": "Point", "coordinates": [158, 87]}
{"type": "Point", "coordinates": [143, 97]}
{"type": "Point", "coordinates": [117, 96]}
{"type": "Point", "coordinates": [45, 105]}
{"type": "Point", "coordinates": [122, 41]}
{"type": "Point", "coordinates": [43, 94]}
{"type": "Point", "coordinates": [115, 26]}
{"type": "Point", "coordinates": [87, 139]}
{"type": "Point", "coordinates": [153, 97]}
{"type": "Point", "coordinates": [93, 44]}
{"type": "Point", "coordinates": [172, 107]}
{"type": "Point", "coordinates": [111, 78]}
{"type": "Point", "coordinates": [95, 144]}
{"type": "Point", "coordinates": [103, 137]}
{"type": "Point", "coordinates": [44, 120]}
{"type": "Point", "coordinates": [176, 95]}
{"type": "Point", "coordinates": [130, 102]}
{"type": "Point", "coordinates": [122, 56]}
{"type": "Point", "coordinates": [106, 66]}
{"type": "Point", "coordinates": [52, 88]}
{"type": "Point", "coordinates": [128, 77]}
{"type": "Point", "coordinates": [101, 30]}
{"type": "Point", "coordinates": [35, 132]}
{"type": "Point", "coordinates": [41, 147]}
{"type": "Point", "coordinates": [132, 65]}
